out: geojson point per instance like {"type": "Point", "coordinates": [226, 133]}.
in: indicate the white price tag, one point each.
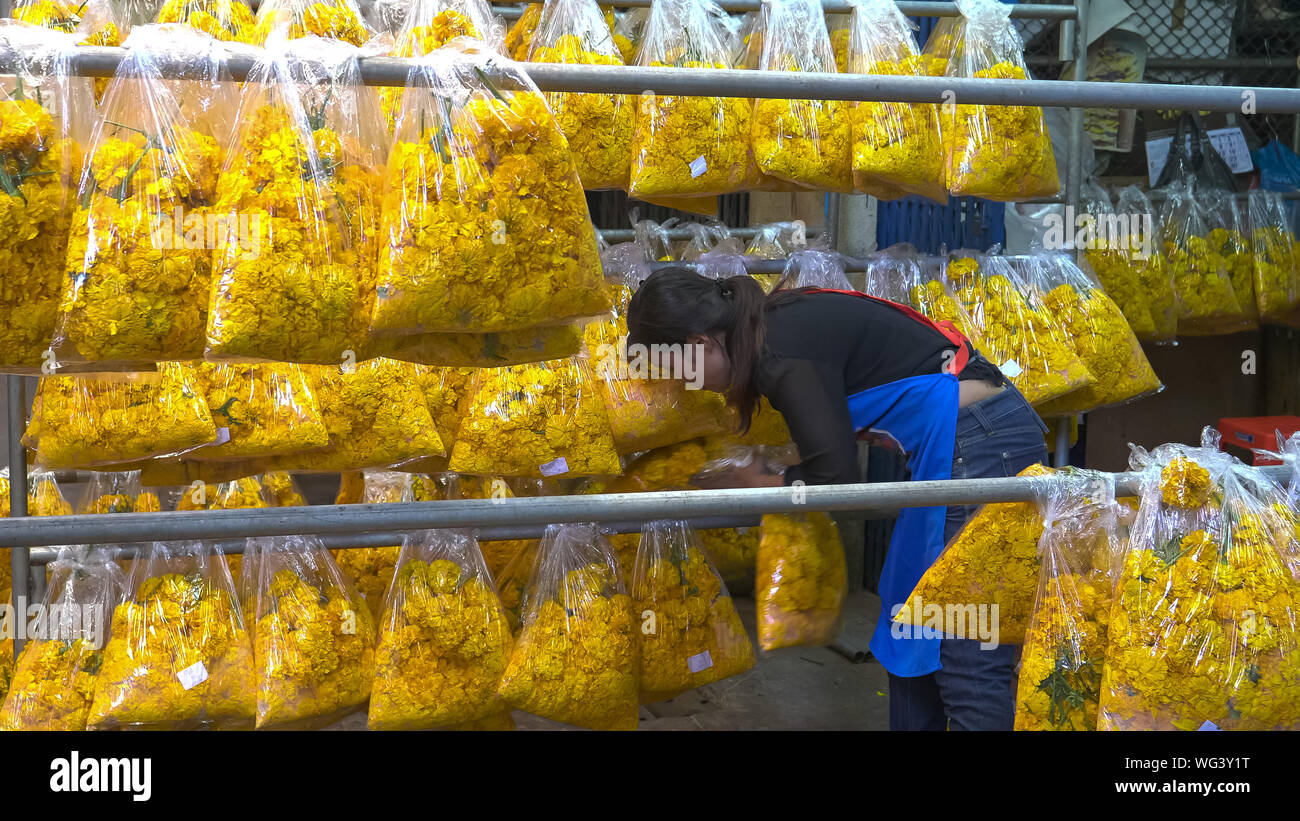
{"type": "Point", "coordinates": [699, 662]}
{"type": "Point", "coordinates": [698, 166]}
{"type": "Point", "coordinates": [1210, 725]}
{"type": "Point", "coordinates": [554, 467]}
{"type": "Point", "coordinates": [223, 436]}
{"type": "Point", "coordinates": [1229, 142]}
{"type": "Point", "coordinates": [1011, 369]}
{"type": "Point", "coordinates": [742, 530]}
{"type": "Point", "coordinates": [193, 676]}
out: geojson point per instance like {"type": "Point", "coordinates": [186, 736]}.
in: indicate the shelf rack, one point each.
{"type": "Point", "coordinates": [369, 525]}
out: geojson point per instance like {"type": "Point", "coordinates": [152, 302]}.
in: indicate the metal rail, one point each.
{"type": "Point", "coordinates": [1037, 11]}
{"type": "Point", "coordinates": [97, 61]}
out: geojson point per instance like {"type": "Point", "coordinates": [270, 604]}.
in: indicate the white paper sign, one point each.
{"type": "Point", "coordinates": [1011, 369]}
{"type": "Point", "coordinates": [554, 467]}
{"type": "Point", "coordinates": [1229, 142]}
{"type": "Point", "coordinates": [1209, 725]}
{"type": "Point", "coordinates": [193, 676]}
{"type": "Point", "coordinates": [699, 662]}
{"type": "Point", "coordinates": [223, 436]}
{"type": "Point", "coordinates": [698, 166]}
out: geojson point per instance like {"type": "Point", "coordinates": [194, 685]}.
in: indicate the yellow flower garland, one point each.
{"type": "Point", "coordinates": [802, 579]}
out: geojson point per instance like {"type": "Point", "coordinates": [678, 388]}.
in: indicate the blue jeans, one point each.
{"type": "Point", "coordinates": [999, 436]}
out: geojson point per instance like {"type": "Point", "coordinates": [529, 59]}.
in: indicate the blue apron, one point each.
{"type": "Point", "coordinates": [920, 412]}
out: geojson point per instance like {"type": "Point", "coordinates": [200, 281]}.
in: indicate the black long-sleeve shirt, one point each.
{"type": "Point", "coordinates": [820, 349]}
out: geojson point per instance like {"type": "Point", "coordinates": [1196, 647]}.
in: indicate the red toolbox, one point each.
{"type": "Point", "coordinates": [1241, 434]}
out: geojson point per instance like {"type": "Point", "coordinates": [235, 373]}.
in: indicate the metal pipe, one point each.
{"type": "Point", "coordinates": [1037, 11]}
{"type": "Point", "coordinates": [19, 557]}
{"type": "Point", "coordinates": [99, 61]}
{"type": "Point", "coordinates": [217, 525]}
{"type": "Point", "coordinates": [1187, 63]}
{"type": "Point", "coordinates": [629, 234]}
{"type": "Point", "coordinates": [754, 265]}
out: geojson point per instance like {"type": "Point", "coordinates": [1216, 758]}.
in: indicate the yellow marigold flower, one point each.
{"type": "Point", "coordinates": [575, 660]}
{"type": "Point", "coordinates": [259, 410]}
{"type": "Point", "coordinates": [840, 46]}
{"type": "Point", "coordinates": [1276, 285]}
{"type": "Point", "coordinates": [1185, 484]}
{"type": "Point", "coordinates": [179, 653]}
{"type": "Point", "coordinates": [315, 639]}
{"type": "Point", "coordinates": [244, 493]}
{"type": "Point", "coordinates": [520, 37]}
{"type": "Point", "coordinates": [227, 20]}
{"type": "Point", "coordinates": [100, 28]}
{"type": "Point", "coordinates": [51, 14]}
{"type": "Point", "coordinates": [536, 420]}
{"type": "Point", "coordinates": [896, 145]}
{"type": "Point", "coordinates": [993, 559]}
{"type": "Point", "coordinates": [444, 640]}
{"type": "Point", "coordinates": [998, 152]}
{"type": "Point", "coordinates": [371, 568]}
{"type": "Point", "coordinates": [802, 580]}
{"type": "Point", "coordinates": [306, 185]}
{"type": "Point", "coordinates": [376, 416]}
{"type": "Point", "coordinates": [281, 490]}
{"type": "Point", "coordinates": [429, 25]}
{"type": "Point", "coordinates": [1120, 278]}
{"type": "Point", "coordinates": [103, 419]}
{"type": "Point", "coordinates": [485, 222]}
{"type": "Point", "coordinates": [330, 19]}
{"type": "Point", "coordinates": [691, 634]}
{"type": "Point", "coordinates": [115, 492]}
{"type": "Point", "coordinates": [1202, 283]}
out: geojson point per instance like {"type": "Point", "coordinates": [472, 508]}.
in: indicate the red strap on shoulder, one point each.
{"type": "Point", "coordinates": [944, 327]}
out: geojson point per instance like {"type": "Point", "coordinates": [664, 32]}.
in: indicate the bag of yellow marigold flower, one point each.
{"type": "Point", "coordinates": [443, 389]}
{"type": "Point", "coordinates": [479, 164]}
{"type": "Point", "coordinates": [371, 568]}
{"type": "Point", "coordinates": [896, 147]}
{"type": "Point", "coordinates": [992, 560]}
{"type": "Point", "coordinates": [1113, 261]}
{"type": "Point", "coordinates": [1001, 153]}
{"type": "Point", "coordinates": [816, 268]}
{"type": "Point", "coordinates": [180, 654]}
{"type": "Point", "coordinates": [376, 416]}
{"type": "Point", "coordinates": [338, 20]}
{"type": "Point", "coordinates": [801, 141]}
{"type": "Point", "coordinates": [1277, 283]}
{"type": "Point", "coordinates": [498, 553]}
{"type": "Point", "coordinates": [801, 581]}
{"type": "Point", "coordinates": [1229, 240]}
{"type": "Point", "coordinates": [1200, 277]}
{"type": "Point", "coordinates": [263, 409]}
{"type": "Point", "coordinates": [107, 418]}
{"type": "Point", "coordinates": [1138, 217]}
{"type": "Point", "coordinates": [688, 145]}
{"type": "Point", "coordinates": [597, 126]}
{"type": "Point", "coordinates": [54, 678]}
{"type": "Point", "coordinates": [226, 20]}
{"type": "Point", "coordinates": [1016, 331]}
{"type": "Point", "coordinates": [301, 182]}
{"type": "Point", "coordinates": [488, 350]}
{"type": "Point", "coordinates": [900, 274]}
{"type": "Point", "coordinates": [519, 39]}
{"type": "Point", "coordinates": [691, 634]}
{"type": "Point", "coordinates": [103, 23]}
{"type": "Point", "coordinates": [444, 639]}
{"type": "Point", "coordinates": [575, 660]}
{"type": "Point", "coordinates": [1065, 641]}
{"type": "Point", "coordinates": [140, 252]}
{"type": "Point", "coordinates": [1101, 336]}
{"type": "Point", "coordinates": [1203, 630]}
{"type": "Point", "coordinates": [43, 121]}
{"type": "Point", "coordinates": [314, 638]}
{"type": "Point", "coordinates": [116, 492]}
{"type": "Point", "coordinates": [244, 493]}
{"type": "Point", "coordinates": [546, 419]}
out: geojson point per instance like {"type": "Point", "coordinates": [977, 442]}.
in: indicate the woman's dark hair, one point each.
{"type": "Point", "coordinates": [674, 304]}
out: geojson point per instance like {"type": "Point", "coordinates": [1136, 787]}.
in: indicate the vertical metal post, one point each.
{"type": "Point", "coordinates": [1074, 181]}
{"type": "Point", "coordinates": [19, 557]}
{"type": "Point", "coordinates": [1061, 454]}
{"type": "Point", "coordinates": [833, 220]}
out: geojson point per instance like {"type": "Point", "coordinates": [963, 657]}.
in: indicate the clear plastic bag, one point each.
{"type": "Point", "coordinates": [260, 410]}
{"type": "Point", "coordinates": [575, 660]}
{"type": "Point", "coordinates": [815, 268]}
{"type": "Point", "coordinates": [805, 142]}
{"type": "Point", "coordinates": [43, 120]}
{"type": "Point", "coordinates": [444, 639]}
{"type": "Point", "coordinates": [103, 24]}
{"type": "Point", "coordinates": [801, 582]}
{"type": "Point", "coordinates": [1203, 631]}
{"type": "Point", "coordinates": [54, 679]}
{"type": "Point", "coordinates": [490, 350]}
{"type": "Point", "coordinates": [109, 418]}
{"type": "Point", "coordinates": [691, 634]}
{"type": "Point", "coordinates": [1277, 284]}
{"type": "Point", "coordinates": [303, 180]}
{"type": "Point", "coordinates": [280, 490]}
{"type": "Point", "coordinates": [1065, 642]}
{"type": "Point", "coordinates": [180, 655]}
{"type": "Point", "coordinates": [314, 637]}
{"type": "Point", "coordinates": [512, 584]}
{"type": "Point", "coordinates": [1229, 240]}
{"type": "Point", "coordinates": [443, 389]}
{"type": "Point", "coordinates": [992, 560]}
{"type": "Point", "coordinates": [244, 493]}
{"type": "Point", "coordinates": [519, 39]}
{"type": "Point", "coordinates": [1202, 284]}
{"type": "Point", "coordinates": [371, 568]}
{"type": "Point", "coordinates": [706, 237]}
{"type": "Point", "coordinates": [376, 416]}
{"type": "Point", "coordinates": [498, 554]}
{"type": "Point", "coordinates": [598, 127]}
{"type": "Point", "coordinates": [140, 251]}
{"type": "Point", "coordinates": [117, 492]}
{"type": "Point", "coordinates": [1015, 330]}
{"type": "Point", "coordinates": [44, 498]}
{"type": "Point", "coordinates": [896, 147]}
{"type": "Point", "coordinates": [1114, 265]}
{"type": "Point", "coordinates": [1153, 271]}
{"type": "Point", "coordinates": [546, 419]}
{"type": "Point", "coordinates": [688, 145]}
{"type": "Point", "coordinates": [480, 166]}
{"type": "Point", "coordinates": [226, 20]}
{"type": "Point", "coordinates": [295, 19]}
{"type": "Point", "coordinates": [1096, 326]}
{"type": "Point", "coordinates": [1000, 153]}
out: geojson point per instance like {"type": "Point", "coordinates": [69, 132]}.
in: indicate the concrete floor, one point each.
{"type": "Point", "coordinates": [799, 688]}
